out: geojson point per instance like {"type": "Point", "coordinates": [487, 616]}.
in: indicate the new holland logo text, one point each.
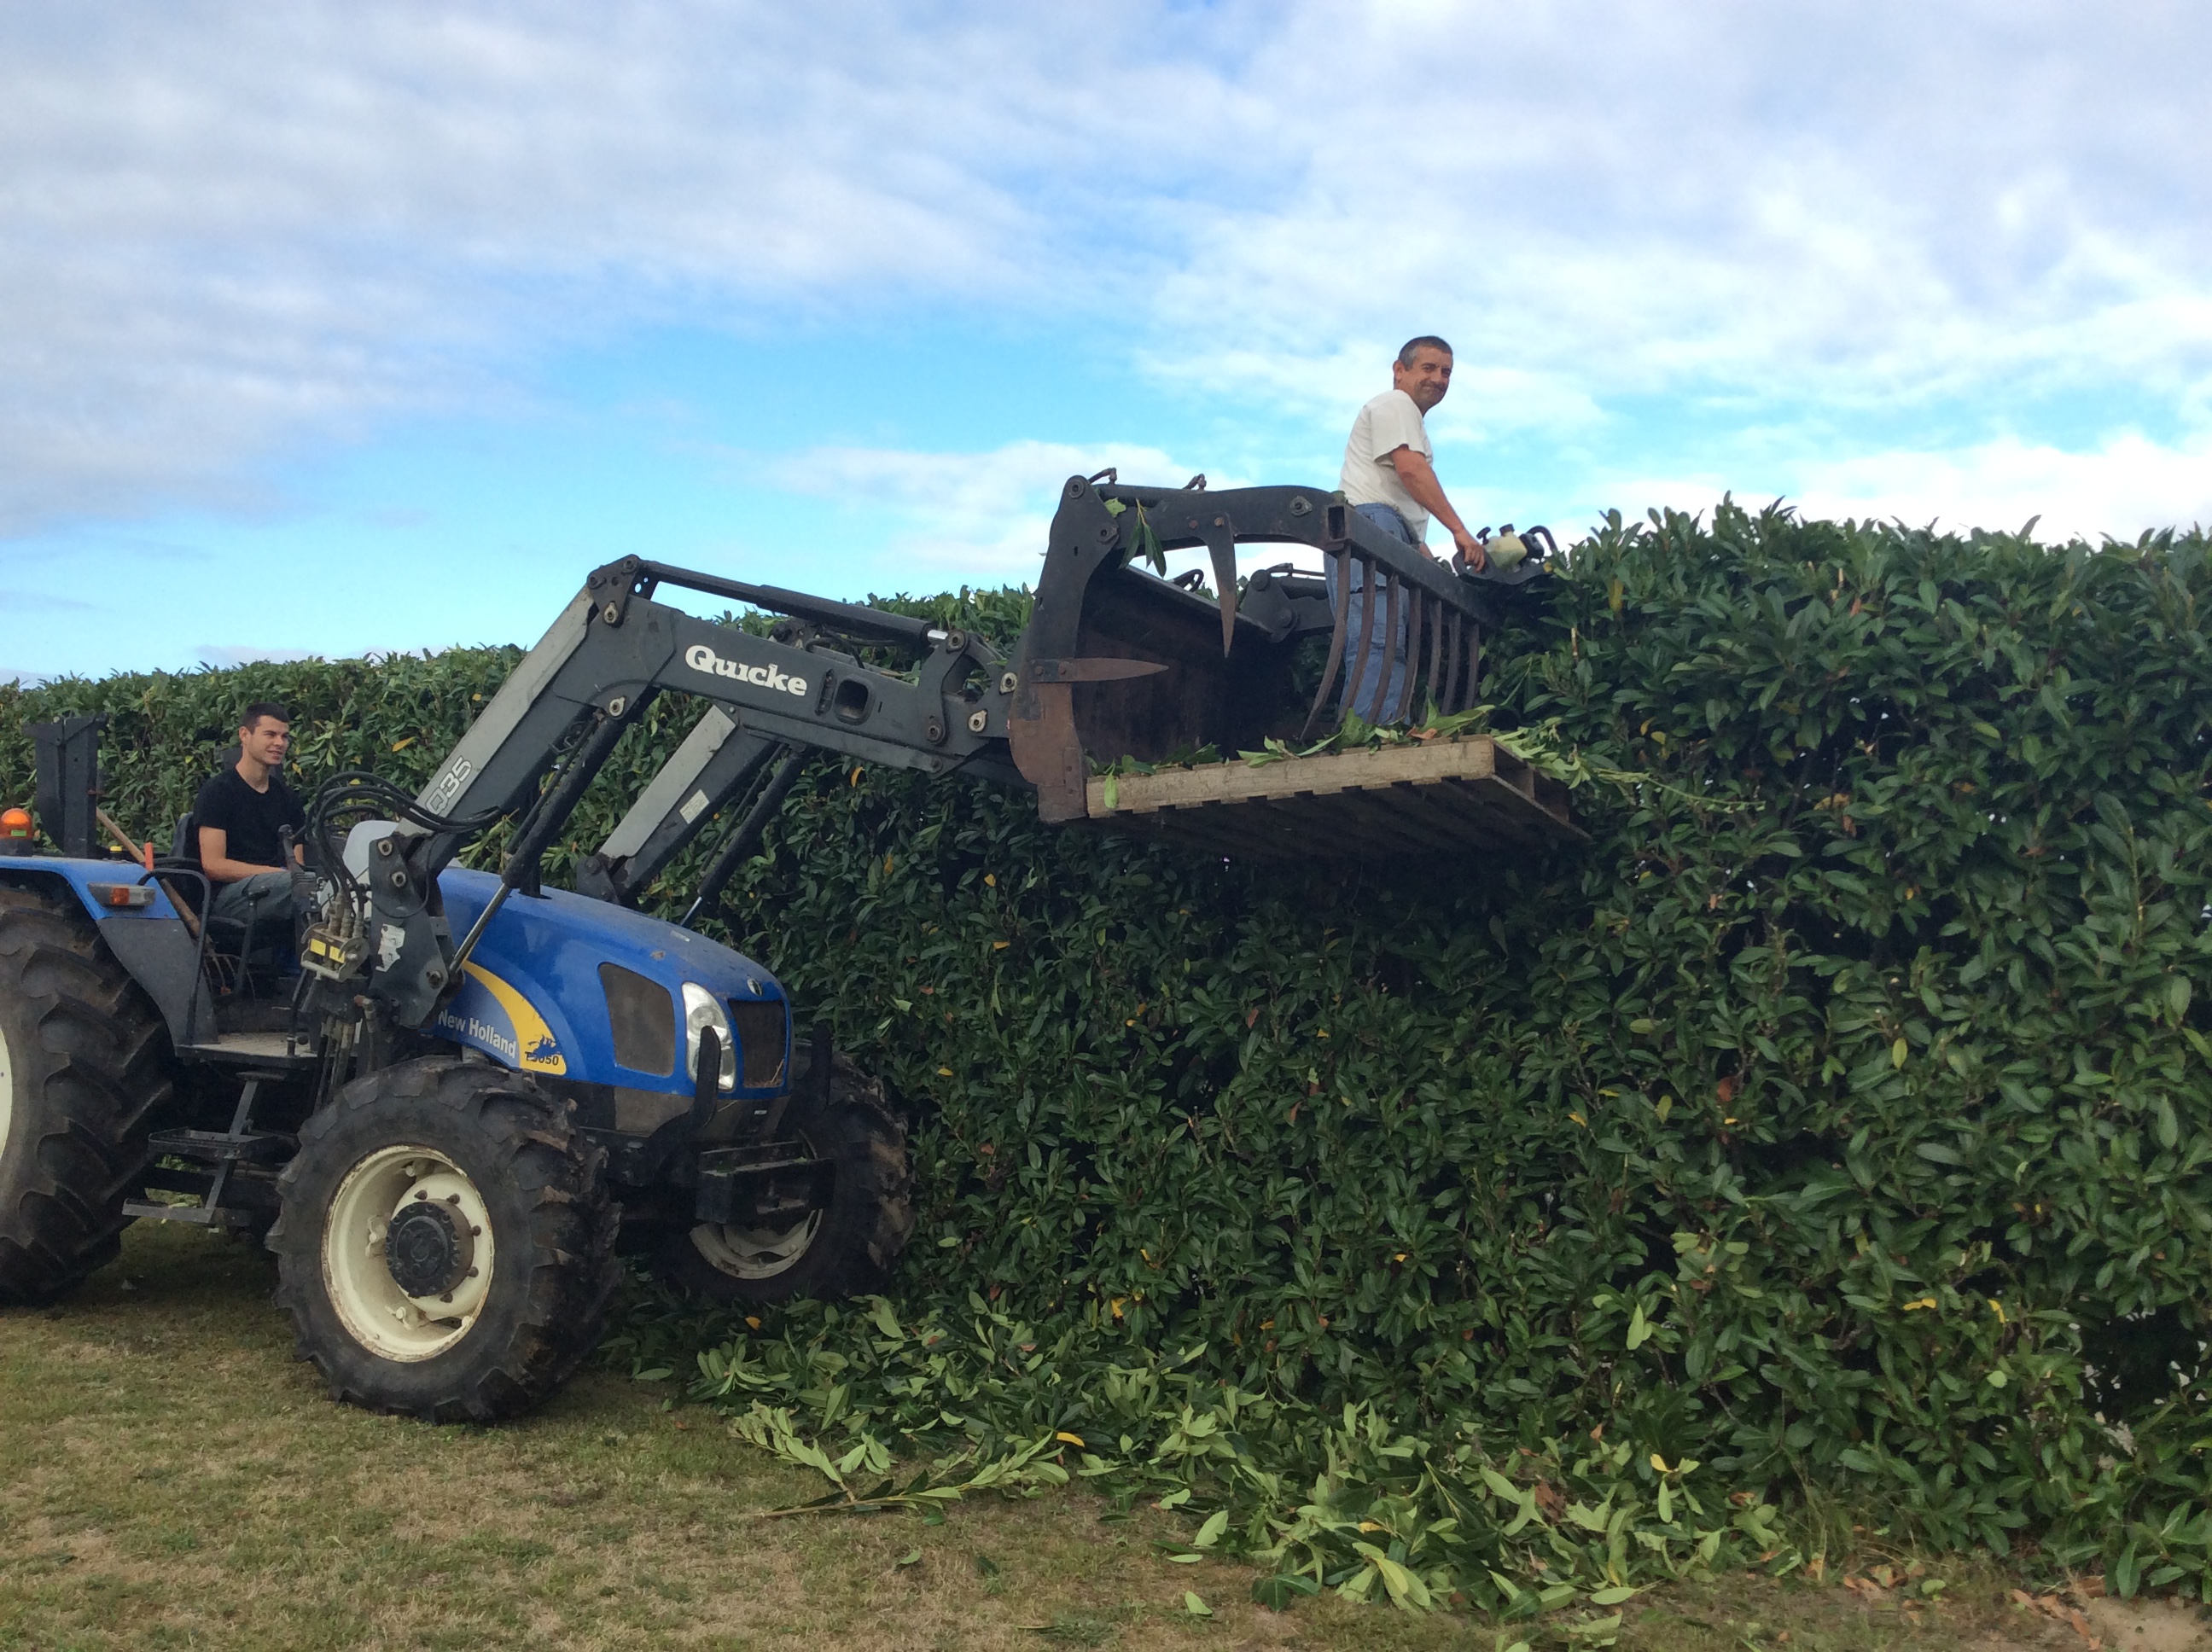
{"type": "Point", "coordinates": [699, 658]}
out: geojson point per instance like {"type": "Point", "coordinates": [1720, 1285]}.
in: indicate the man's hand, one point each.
{"type": "Point", "coordinates": [1471, 549]}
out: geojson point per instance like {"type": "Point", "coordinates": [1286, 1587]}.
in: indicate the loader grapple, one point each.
{"type": "Point", "coordinates": [1119, 663]}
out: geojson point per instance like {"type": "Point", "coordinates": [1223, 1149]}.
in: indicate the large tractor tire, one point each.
{"type": "Point", "coordinates": [84, 1069]}
{"type": "Point", "coordinates": [845, 1249]}
{"type": "Point", "coordinates": [445, 1244]}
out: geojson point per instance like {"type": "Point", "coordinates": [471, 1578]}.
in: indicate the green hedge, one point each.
{"type": "Point", "coordinates": [1833, 1133]}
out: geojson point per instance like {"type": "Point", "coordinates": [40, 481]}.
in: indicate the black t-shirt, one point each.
{"type": "Point", "coordinates": [251, 819]}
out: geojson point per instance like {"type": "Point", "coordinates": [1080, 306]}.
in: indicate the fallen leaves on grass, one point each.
{"type": "Point", "coordinates": [2060, 1610]}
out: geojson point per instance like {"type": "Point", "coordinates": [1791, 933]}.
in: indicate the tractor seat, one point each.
{"type": "Point", "coordinates": [248, 966]}
{"type": "Point", "coordinates": [184, 856]}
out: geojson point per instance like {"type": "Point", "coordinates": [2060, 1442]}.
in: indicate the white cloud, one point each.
{"type": "Point", "coordinates": [2122, 487]}
{"type": "Point", "coordinates": [41, 601]}
{"type": "Point", "coordinates": [227, 230]}
{"type": "Point", "coordinates": [1881, 206]}
{"type": "Point", "coordinates": [968, 515]}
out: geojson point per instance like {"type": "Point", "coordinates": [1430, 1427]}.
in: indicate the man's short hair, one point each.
{"type": "Point", "coordinates": [260, 709]}
{"type": "Point", "coordinates": [1413, 347]}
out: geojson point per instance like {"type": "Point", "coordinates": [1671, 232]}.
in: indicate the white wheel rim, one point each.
{"type": "Point", "coordinates": [376, 1311]}
{"type": "Point", "coordinates": [756, 1253]}
{"type": "Point", "coordinates": [7, 1091]}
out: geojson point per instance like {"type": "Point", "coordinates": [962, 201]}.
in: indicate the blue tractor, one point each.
{"type": "Point", "coordinates": [453, 1090]}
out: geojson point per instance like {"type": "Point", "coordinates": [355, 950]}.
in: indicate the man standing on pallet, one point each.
{"type": "Point", "coordinates": [241, 815]}
{"type": "Point", "coordinates": [1390, 479]}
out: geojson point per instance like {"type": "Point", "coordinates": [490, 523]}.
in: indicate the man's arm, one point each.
{"type": "Point", "coordinates": [1420, 479]}
{"type": "Point", "coordinates": [216, 861]}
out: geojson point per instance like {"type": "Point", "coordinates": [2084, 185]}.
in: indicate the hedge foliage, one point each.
{"type": "Point", "coordinates": [1832, 1134]}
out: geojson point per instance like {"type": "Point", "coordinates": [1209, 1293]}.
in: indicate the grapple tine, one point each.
{"type": "Point", "coordinates": [1391, 587]}
{"type": "Point", "coordinates": [1335, 644]}
{"type": "Point", "coordinates": [1359, 643]}
{"type": "Point", "coordinates": [1437, 615]}
{"type": "Point", "coordinates": [1411, 653]}
{"type": "Point", "coordinates": [1451, 699]}
{"type": "Point", "coordinates": [1417, 610]}
{"type": "Point", "coordinates": [1222, 548]}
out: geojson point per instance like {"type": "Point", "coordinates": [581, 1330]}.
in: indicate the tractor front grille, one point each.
{"type": "Point", "coordinates": [763, 1031]}
{"type": "Point", "coordinates": [643, 1017]}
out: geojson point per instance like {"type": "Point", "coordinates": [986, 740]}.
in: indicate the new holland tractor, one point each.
{"type": "Point", "coordinates": [442, 1115]}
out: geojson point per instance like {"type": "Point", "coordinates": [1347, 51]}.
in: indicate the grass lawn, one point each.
{"type": "Point", "coordinates": [170, 1476]}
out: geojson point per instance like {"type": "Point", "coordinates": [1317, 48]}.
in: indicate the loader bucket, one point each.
{"type": "Point", "coordinates": [1119, 661]}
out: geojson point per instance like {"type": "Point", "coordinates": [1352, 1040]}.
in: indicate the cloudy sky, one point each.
{"type": "Point", "coordinates": [334, 328]}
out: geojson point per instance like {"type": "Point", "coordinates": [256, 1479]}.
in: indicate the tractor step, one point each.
{"type": "Point", "coordinates": [235, 1153]}
{"type": "Point", "coordinates": [213, 1147]}
{"type": "Point", "coordinates": [273, 1049]}
{"type": "Point", "coordinates": [200, 1216]}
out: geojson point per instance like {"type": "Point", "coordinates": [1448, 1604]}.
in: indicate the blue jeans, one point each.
{"type": "Point", "coordinates": [1382, 679]}
{"type": "Point", "coordinates": [266, 898]}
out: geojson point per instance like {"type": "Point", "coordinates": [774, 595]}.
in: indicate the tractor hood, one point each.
{"type": "Point", "coordinates": [569, 988]}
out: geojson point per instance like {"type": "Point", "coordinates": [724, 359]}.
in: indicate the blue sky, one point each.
{"type": "Point", "coordinates": [330, 329]}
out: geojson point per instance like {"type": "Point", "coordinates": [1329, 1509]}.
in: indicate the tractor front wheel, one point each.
{"type": "Point", "coordinates": [844, 1248]}
{"type": "Point", "coordinates": [445, 1244]}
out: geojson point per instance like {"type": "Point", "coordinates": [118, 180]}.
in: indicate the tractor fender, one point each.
{"type": "Point", "coordinates": [150, 942]}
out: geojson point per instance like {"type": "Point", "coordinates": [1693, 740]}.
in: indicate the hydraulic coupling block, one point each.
{"type": "Point", "coordinates": [336, 950]}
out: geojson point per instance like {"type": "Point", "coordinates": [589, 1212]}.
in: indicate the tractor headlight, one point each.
{"type": "Point", "coordinates": [702, 1010]}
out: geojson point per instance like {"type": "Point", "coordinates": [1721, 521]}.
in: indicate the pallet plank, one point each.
{"type": "Point", "coordinates": [1449, 798]}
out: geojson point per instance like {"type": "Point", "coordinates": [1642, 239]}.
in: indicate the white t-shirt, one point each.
{"type": "Point", "coordinates": [1388, 423]}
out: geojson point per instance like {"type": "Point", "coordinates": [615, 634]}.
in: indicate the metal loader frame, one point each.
{"type": "Point", "coordinates": [1115, 662]}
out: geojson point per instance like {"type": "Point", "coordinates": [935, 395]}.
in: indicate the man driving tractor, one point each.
{"type": "Point", "coordinates": [241, 815]}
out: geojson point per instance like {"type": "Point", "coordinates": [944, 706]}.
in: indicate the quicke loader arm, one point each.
{"type": "Point", "coordinates": [1115, 661]}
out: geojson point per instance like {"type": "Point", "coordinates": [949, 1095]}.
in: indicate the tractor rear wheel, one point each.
{"type": "Point", "coordinates": [848, 1248]}
{"type": "Point", "coordinates": [446, 1247]}
{"type": "Point", "coordinates": [84, 1067]}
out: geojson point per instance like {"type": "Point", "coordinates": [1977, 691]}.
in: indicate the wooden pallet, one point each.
{"type": "Point", "coordinates": [1447, 798]}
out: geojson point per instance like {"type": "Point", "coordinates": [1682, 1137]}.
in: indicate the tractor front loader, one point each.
{"type": "Point", "coordinates": [473, 1082]}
